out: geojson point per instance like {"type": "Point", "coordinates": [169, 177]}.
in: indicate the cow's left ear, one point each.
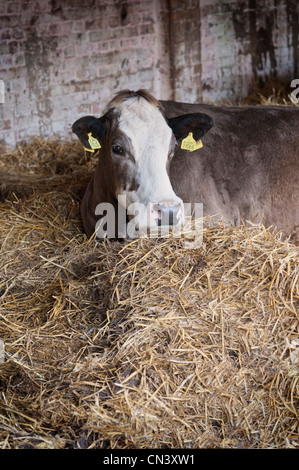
{"type": "Point", "coordinates": [90, 131]}
{"type": "Point", "coordinates": [197, 123]}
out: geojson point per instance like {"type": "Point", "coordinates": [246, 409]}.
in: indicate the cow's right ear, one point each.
{"type": "Point", "coordinates": [90, 130]}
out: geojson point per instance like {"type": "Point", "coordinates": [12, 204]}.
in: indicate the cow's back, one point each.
{"type": "Point", "coordinates": [248, 166]}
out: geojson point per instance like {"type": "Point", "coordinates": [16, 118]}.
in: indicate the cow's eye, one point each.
{"type": "Point", "coordinates": [117, 149]}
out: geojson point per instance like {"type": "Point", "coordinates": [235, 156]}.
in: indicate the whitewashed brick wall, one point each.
{"type": "Point", "coordinates": [61, 59]}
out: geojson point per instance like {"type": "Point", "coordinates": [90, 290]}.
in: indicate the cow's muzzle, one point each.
{"type": "Point", "coordinates": [165, 213]}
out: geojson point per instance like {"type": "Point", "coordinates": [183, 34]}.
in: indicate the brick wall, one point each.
{"type": "Point", "coordinates": [61, 59]}
{"type": "Point", "coordinates": [185, 49]}
{"type": "Point", "coordinates": [219, 47]}
{"type": "Point", "coordinates": [247, 40]}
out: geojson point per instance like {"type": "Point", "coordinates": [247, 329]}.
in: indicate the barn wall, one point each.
{"type": "Point", "coordinates": [247, 40]}
{"type": "Point", "coordinates": [61, 59]}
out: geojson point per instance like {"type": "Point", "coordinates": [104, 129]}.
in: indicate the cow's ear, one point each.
{"type": "Point", "coordinates": [197, 123]}
{"type": "Point", "coordinates": [90, 131]}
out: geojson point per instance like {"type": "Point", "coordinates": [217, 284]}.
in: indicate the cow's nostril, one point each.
{"type": "Point", "coordinates": [167, 213]}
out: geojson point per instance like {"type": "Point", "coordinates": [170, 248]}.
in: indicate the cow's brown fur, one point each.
{"type": "Point", "coordinates": [248, 168]}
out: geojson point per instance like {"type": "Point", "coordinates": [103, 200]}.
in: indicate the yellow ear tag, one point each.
{"type": "Point", "coordinates": [93, 142]}
{"type": "Point", "coordinates": [190, 144]}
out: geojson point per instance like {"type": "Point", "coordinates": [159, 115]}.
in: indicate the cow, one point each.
{"type": "Point", "coordinates": [241, 163]}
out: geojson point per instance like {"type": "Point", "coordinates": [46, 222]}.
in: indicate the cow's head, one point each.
{"type": "Point", "coordinates": [137, 145]}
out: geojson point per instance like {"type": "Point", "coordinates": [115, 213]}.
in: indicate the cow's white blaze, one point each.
{"type": "Point", "coordinates": [150, 137]}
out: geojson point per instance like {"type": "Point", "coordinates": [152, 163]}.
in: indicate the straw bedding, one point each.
{"type": "Point", "coordinates": [147, 343]}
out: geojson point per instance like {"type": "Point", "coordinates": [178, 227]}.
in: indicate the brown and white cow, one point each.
{"type": "Point", "coordinates": [247, 168]}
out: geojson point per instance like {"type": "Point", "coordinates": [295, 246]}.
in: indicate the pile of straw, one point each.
{"type": "Point", "coordinates": [271, 92]}
{"type": "Point", "coordinates": [140, 344]}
